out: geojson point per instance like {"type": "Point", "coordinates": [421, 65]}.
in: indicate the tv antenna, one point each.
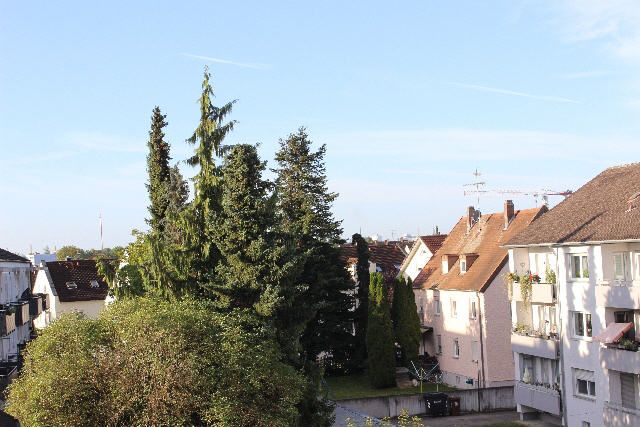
{"type": "Point", "coordinates": [479, 186]}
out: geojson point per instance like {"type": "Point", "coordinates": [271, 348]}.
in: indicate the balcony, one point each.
{"type": "Point", "coordinates": [35, 305]}
{"type": "Point", "coordinates": [619, 359]}
{"type": "Point", "coordinates": [22, 312]}
{"type": "Point", "coordinates": [7, 321]}
{"type": "Point", "coordinates": [541, 293]}
{"type": "Point", "coordinates": [538, 397]}
{"type": "Point", "coordinates": [618, 416]}
{"type": "Point", "coordinates": [8, 372]}
{"type": "Point", "coordinates": [619, 295]}
{"type": "Point", "coordinates": [45, 301]}
{"type": "Point", "coordinates": [534, 345]}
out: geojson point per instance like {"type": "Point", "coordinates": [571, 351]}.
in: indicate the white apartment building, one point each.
{"type": "Point", "coordinates": [575, 341]}
{"type": "Point", "coordinates": [419, 254]}
{"type": "Point", "coordinates": [17, 308]}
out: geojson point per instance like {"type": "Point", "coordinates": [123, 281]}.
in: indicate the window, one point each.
{"type": "Point", "coordinates": [579, 267]}
{"type": "Point", "coordinates": [584, 383]}
{"type": "Point", "coordinates": [582, 327]}
{"type": "Point", "coordinates": [473, 312]}
{"type": "Point", "coordinates": [72, 285]}
{"type": "Point", "coordinates": [454, 308]}
{"type": "Point", "coordinates": [456, 348]}
{"type": "Point", "coordinates": [628, 391]}
{"type": "Point", "coordinates": [438, 344]}
{"type": "Point", "coordinates": [620, 263]}
{"type": "Point", "coordinates": [528, 372]}
{"type": "Point", "coordinates": [586, 424]}
{"type": "Point", "coordinates": [437, 307]}
{"type": "Point", "coordinates": [463, 265]}
{"type": "Point", "coordinates": [475, 351]}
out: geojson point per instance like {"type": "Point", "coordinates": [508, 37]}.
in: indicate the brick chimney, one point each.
{"type": "Point", "coordinates": [509, 212]}
{"type": "Point", "coordinates": [471, 217]}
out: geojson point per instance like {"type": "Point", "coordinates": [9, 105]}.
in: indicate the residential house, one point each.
{"type": "Point", "coordinates": [17, 307]}
{"type": "Point", "coordinates": [72, 285]}
{"type": "Point", "coordinates": [463, 300]}
{"type": "Point", "coordinates": [420, 253]}
{"type": "Point", "coordinates": [591, 242]}
{"type": "Point", "coordinates": [384, 257]}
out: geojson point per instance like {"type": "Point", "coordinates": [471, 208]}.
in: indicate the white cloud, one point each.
{"type": "Point", "coordinates": [500, 91]}
{"type": "Point", "coordinates": [614, 22]}
{"type": "Point", "coordinates": [255, 66]}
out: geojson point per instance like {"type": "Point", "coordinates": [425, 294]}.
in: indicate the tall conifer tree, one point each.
{"type": "Point", "coordinates": [362, 296]}
{"type": "Point", "coordinates": [159, 171]}
{"type": "Point", "coordinates": [379, 336]}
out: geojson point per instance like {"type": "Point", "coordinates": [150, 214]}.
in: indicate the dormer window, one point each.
{"type": "Point", "coordinates": [447, 262]}
{"type": "Point", "coordinates": [94, 284]}
{"type": "Point", "coordinates": [463, 265]}
{"type": "Point", "coordinates": [71, 285]}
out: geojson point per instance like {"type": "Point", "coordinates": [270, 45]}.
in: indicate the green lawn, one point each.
{"type": "Point", "coordinates": [356, 386]}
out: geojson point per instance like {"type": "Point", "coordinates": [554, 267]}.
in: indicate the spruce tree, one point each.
{"type": "Point", "coordinates": [159, 171]}
{"type": "Point", "coordinates": [379, 336]}
{"type": "Point", "coordinates": [362, 297]}
{"type": "Point", "coordinates": [304, 213]}
{"type": "Point", "coordinates": [248, 275]}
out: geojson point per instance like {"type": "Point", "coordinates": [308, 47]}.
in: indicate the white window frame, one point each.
{"type": "Point", "coordinates": [581, 258]}
{"type": "Point", "coordinates": [473, 309]}
{"type": "Point", "coordinates": [438, 344]}
{"type": "Point", "coordinates": [624, 262]}
{"type": "Point", "coordinates": [456, 348]}
{"type": "Point", "coordinates": [463, 265]}
{"type": "Point", "coordinates": [586, 318]}
{"type": "Point", "coordinates": [454, 308]}
{"type": "Point", "coordinates": [587, 378]}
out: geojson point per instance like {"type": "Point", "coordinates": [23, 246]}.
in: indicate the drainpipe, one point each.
{"type": "Point", "coordinates": [561, 336]}
{"type": "Point", "coordinates": [481, 349]}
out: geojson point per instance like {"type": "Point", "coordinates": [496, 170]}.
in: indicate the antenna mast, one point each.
{"type": "Point", "coordinates": [479, 185]}
{"type": "Point", "coordinates": [101, 236]}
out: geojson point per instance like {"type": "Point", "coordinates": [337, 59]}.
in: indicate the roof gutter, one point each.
{"type": "Point", "coordinates": [556, 245]}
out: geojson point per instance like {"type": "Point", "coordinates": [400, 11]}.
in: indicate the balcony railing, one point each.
{"type": "Point", "coordinates": [545, 399]}
{"type": "Point", "coordinates": [616, 415]}
{"type": "Point", "coordinates": [618, 294]}
{"type": "Point", "coordinates": [7, 321]}
{"type": "Point", "coordinates": [535, 345]}
{"type": "Point", "coordinates": [35, 305]}
{"type": "Point", "coordinates": [541, 293]}
{"type": "Point", "coordinates": [620, 358]}
{"type": "Point", "coordinates": [22, 312]}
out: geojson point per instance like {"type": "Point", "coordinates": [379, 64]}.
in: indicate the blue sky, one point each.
{"type": "Point", "coordinates": [410, 98]}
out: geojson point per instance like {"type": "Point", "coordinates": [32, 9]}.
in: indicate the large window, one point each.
{"type": "Point", "coordinates": [579, 266]}
{"type": "Point", "coordinates": [456, 348]}
{"type": "Point", "coordinates": [582, 327]}
{"type": "Point", "coordinates": [584, 383]}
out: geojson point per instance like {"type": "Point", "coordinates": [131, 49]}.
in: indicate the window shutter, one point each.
{"type": "Point", "coordinates": [628, 392]}
{"type": "Point", "coordinates": [581, 374]}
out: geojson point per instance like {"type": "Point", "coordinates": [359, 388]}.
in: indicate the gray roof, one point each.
{"type": "Point", "coordinates": [9, 256]}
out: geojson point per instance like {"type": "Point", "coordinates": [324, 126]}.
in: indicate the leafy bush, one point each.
{"type": "Point", "coordinates": [146, 362]}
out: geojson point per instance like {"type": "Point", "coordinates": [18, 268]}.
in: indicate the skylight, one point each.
{"type": "Point", "coordinates": [72, 285]}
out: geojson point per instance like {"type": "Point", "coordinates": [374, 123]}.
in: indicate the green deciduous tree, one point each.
{"type": "Point", "coordinates": [150, 362]}
{"type": "Point", "coordinates": [379, 337]}
{"type": "Point", "coordinates": [406, 323]}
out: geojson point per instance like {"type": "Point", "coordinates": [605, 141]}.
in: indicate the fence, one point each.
{"type": "Point", "coordinates": [490, 399]}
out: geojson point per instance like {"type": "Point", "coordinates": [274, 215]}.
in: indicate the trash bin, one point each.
{"type": "Point", "coordinates": [454, 405]}
{"type": "Point", "coordinates": [436, 404]}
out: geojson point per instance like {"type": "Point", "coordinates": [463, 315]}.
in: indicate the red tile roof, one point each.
{"type": "Point", "coordinates": [485, 239]}
{"type": "Point", "coordinates": [599, 211]}
{"type": "Point", "coordinates": [433, 242]}
{"type": "Point", "coordinates": [81, 272]}
{"type": "Point", "coordinates": [9, 256]}
{"type": "Point", "coordinates": [387, 255]}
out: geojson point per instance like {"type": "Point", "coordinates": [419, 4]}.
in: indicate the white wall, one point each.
{"type": "Point", "coordinates": [15, 278]}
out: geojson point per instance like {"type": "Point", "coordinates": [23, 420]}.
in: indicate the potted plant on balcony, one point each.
{"type": "Point", "coordinates": [627, 344]}
{"type": "Point", "coordinates": [550, 276]}
{"type": "Point", "coordinates": [509, 279]}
